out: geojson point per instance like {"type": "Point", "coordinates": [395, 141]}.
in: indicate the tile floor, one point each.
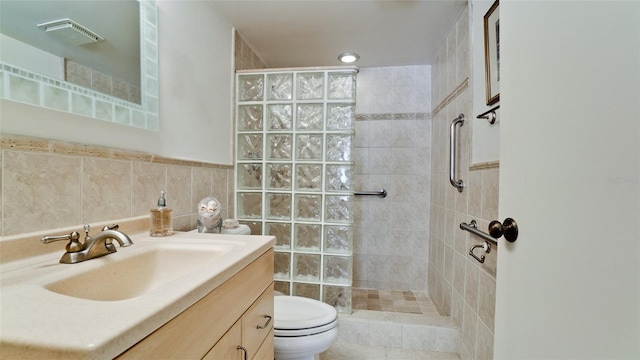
{"type": "Point", "coordinates": [403, 301]}
{"type": "Point", "coordinates": [341, 351]}
{"type": "Point", "coordinates": [407, 302]}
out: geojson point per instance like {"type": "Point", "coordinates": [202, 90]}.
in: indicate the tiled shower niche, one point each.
{"type": "Point", "coordinates": [294, 139]}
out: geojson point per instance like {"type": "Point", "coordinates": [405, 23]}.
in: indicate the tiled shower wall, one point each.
{"type": "Point", "coordinates": [459, 285]}
{"type": "Point", "coordinates": [392, 151]}
{"type": "Point", "coordinates": [87, 184]}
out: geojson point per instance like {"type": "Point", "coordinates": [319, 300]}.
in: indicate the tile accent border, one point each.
{"type": "Point", "coordinates": [35, 144]}
{"type": "Point", "coordinates": [392, 116]}
{"type": "Point", "coordinates": [459, 89]}
{"type": "Point", "coordinates": [485, 165]}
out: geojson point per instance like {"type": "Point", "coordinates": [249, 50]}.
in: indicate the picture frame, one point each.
{"type": "Point", "coordinates": [492, 53]}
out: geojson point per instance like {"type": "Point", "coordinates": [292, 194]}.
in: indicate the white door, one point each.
{"type": "Point", "coordinates": [569, 287]}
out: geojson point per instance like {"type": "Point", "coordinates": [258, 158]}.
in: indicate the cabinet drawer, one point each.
{"type": "Point", "coordinates": [257, 322]}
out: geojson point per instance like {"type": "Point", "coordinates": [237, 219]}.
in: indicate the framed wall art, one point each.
{"type": "Point", "coordinates": [492, 53]}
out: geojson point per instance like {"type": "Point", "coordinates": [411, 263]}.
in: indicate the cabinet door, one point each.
{"type": "Point", "coordinates": [257, 322]}
{"type": "Point", "coordinates": [266, 351]}
{"type": "Point", "coordinates": [227, 347]}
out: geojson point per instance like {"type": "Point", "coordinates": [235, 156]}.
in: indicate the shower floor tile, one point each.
{"type": "Point", "coordinates": [403, 301]}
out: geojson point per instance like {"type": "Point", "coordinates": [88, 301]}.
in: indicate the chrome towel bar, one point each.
{"type": "Point", "coordinates": [508, 228]}
{"type": "Point", "coordinates": [473, 228]}
{"type": "Point", "coordinates": [382, 193]}
{"type": "Point", "coordinates": [452, 151]}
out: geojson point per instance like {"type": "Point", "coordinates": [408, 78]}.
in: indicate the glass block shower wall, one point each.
{"type": "Point", "coordinates": [293, 160]}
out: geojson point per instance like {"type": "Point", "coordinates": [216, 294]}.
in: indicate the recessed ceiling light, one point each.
{"type": "Point", "coordinates": [348, 57]}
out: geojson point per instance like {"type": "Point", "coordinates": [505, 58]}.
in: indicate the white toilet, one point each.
{"type": "Point", "coordinates": [303, 327]}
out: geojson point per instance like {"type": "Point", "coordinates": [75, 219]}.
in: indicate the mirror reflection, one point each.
{"type": "Point", "coordinates": [88, 55]}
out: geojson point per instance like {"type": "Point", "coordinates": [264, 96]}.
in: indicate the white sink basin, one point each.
{"type": "Point", "coordinates": [128, 277]}
{"type": "Point", "coordinates": [100, 307]}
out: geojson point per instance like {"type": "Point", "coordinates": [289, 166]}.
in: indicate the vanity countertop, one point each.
{"type": "Point", "coordinates": [40, 323]}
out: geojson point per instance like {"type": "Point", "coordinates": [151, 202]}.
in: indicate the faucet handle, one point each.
{"type": "Point", "coordinates": [74, 244]}
{"type": "Point", "coordinates": [51, 238]}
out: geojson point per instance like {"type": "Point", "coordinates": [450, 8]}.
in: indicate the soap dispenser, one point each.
{"type": "Point", "coordinates": [161, 223]}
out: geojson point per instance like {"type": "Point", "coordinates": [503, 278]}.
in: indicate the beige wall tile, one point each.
{"type": "Point", "coordinates": [490, 180]}
{"type": "Point", "coordinates": [106, 190]}
{"type": "Point", "coordinates": [77, 74]}
{"type": "Point", "coordinates": [473, 283]}
{"type": "Point", "coordinates": [147, 181]}
{"type": "Point", "coordinates": [101, 82]}
{"type": "Point", "coordinates": [202, 185]}
{"type": "Point", "coordinates": [1, 172]}
{"type": "Point", "coordinates": [220, 190]}
{"type": "Point", "coordinates": [40, 191]}
{"type": "Point", "coordinates": [179, 186]}
{"type": "Point", "coordinates": [88, 185]}
{"type": "Point", "coordinates": [487, 300]}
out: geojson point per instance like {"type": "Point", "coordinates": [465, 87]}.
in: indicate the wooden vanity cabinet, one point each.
{"type": "Point", "coordinates": [250, 332]}
{"type": "Point", "coordinates": [217, 324]}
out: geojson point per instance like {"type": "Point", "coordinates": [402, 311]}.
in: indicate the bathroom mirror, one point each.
{"type": "Point", "coordinates": [114, 79]}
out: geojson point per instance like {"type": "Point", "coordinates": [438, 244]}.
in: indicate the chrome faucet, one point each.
{"type": "Point", "coordinates": [93, 246]}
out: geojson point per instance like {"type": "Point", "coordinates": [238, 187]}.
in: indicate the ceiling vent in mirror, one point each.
{"type": "Point", "coordinates": [71, 32]}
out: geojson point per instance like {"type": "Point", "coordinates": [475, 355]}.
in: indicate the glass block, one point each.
{"type": "Point", "coordinates": [338, 147]}
{"type": "Point", "coordinates": [250, 205]}
{"type": "Point", "coordinates": [24, 90]}
{"type": "Point", "coordinates": [250, 146]}
{"type": "Point", "coordinates": [280, 117]}
{"type": "Point", "coordinates": [308, 207]}
{"type": "Point", "coordinates": [310, 86]}
{"type": "Point", "coordinates": [282, 232]}
{"type": "Point", "coordinates": [282, 287]}
{"type": "Point", "coordinates": [279, 176]}
{"type": "Point", "coordinates": [311, 291]}
{"type": "Point", "coordinates": [309, 117]}
{"type": "Point", "coordinates": [278, 206]}
{"type": "Point", "coordinates": [342, 86]}
{"type": "Point", "coordinates": [309, 147]}
{"type": "Point", "coordinates": [307, 237]}
{"type": "Point", "coordinates": [250, 87]}
{"type": "Point", "coordinates": [250, 118]}
{"type": "Point", "coordinates": [338, 297]}
{"type": "Point", "coordinates": [341, 116]}
{"type": "Point", "coordinates": [306, 267]}
{"type": "Point", "coordinates": [338, 177]}
{"type": "Point", "coordinates": [338, 208]}
{"type": "Point", "coordinates": [337, 269]}
{"type": "Point", "coordinates": [249, 176]}
{"type": "Point", "coordinates": [338, 239]}
{"type": "Point", "coordinates": [254, 226]}
{"type": "Point", "coordinates": [282, 265]}
{"type": "Point", "coordinates": [309, 177]}
{"type": "Point", "coordinates": [280, 86]}
{"type": "Point", "coordinates": [280, 146]}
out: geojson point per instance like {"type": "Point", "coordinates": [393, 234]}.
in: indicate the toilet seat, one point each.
{"type": "Point", "coordinates": [296, 316]}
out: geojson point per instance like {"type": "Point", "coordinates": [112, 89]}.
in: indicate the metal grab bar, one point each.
{"type": "Point", "coordinates": [382, 193]}
{"type": "Point", "coordinates": [452, 150]}
{"type": "Point", "coordinates": [473, 228]}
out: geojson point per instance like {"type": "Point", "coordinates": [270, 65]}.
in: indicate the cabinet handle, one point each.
{"type": "Point", "coordinates": [244, 351]}
{"type": "Point", "coordinates": [265, 324]}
